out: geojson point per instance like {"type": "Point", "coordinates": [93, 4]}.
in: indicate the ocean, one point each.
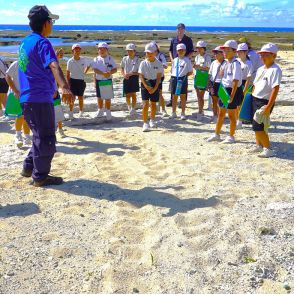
{"type": "Point", "coordinates": [148, 28]}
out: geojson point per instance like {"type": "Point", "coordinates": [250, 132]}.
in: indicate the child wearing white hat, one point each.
{"type": "Point", "coordinates": [266, 86]}
{"type": "Point", "coordinates": [181, 69]}
{"type": "Point", "coordinates": [150, 73]}
{"type": "Point", "coordinates": [202, 62]}
{"type": "Point", "coordinates": [75, 75]}
{"type": "Point", "coordinates": [232, 82]}
{"type": "Point", "coordinates": [129, 70]}
{"type": "Point", "coordinates": [104, 67]}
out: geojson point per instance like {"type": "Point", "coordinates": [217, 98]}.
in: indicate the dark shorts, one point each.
{"type": "Point", "coordinates": [3, 86]}
{"type": "Point", "coordinates": [146, 95]}
{"type": "Point", "coordinates": [77, 87]}
{"type": "Point", "coordinates": [257, 104]}
{"type": "Point", "coordinates": [131, 85]}
{"type": "Point", "coordinates": [160, 85]}
{"type": "Point", "coordinates": [237, 101]}
{"type": "Point", "coordinates": [184, 89]}
{"type": "Point", "coordinates": [215, 89]}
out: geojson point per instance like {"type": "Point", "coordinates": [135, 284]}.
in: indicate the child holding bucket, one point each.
{"type": "Point", "coordinates": [104, 67]}
{"type": "Point", "coordinates": [202, 64]}
{"type": "Point", "coordinates": [129, 69]}
{"type": "Point", "coordinates": [266, 86]}
{"type": "Point", "coordinates": [232, 84]}
{"type": "Point", "coordinates": [150, 73]}
{"type": "Point", "coordinates": [247, 70]}
{"type": "Point", "coordinates": [181, 69]}
{"type": "Point", "coordinates": [20, 123]}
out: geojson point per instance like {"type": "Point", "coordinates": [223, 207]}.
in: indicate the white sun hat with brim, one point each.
{"type": "Point", "coordinates": [102, 45]}
{"type": "Point", "coordinates": [151, 48]}
{"type": "Point", "coordinates": [131, 46]}
{"type": "Point", "coordinates": [201, 44]}
{"type": "Point", "coordinates": [230, 44]}
{"type": "Point", "coordinates": [242, 47]}
{"type": "Point", "coordinates": [217, 49]}
{"type": "Point", "coordinates": [181, 46]}
{"type": "Point", "coordinates": [74, 46]}
{"type": "Point", "coordinates": [269, 48]}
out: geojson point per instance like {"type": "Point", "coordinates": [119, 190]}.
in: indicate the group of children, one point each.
{"type": "Point", "coordinates": [236, 67]}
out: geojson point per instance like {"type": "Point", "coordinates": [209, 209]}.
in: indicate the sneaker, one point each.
{"type": "Point", "coordinates": [108, 115]}
{"type": "Point", "coordinates": [70, 115]}
{"type": "Point", "coordinates": [145, 127]}
{"type": "Point", "coordinates": [213, 138]}
{"type": "Point", "coordinates": [173, 115]}
{"type": "Point", "coordinates": [99, 113]}
{"type": "Point", "coordinates": [164, 114]}
{"type": "Point", "coordinates": [50, 180]}
{"type": "Point", "coordinates": [229, 140]}
{"type": "Point", "coordinates": [256, 149]}
{"type": "Point", "coordinates": [28, 140]}
{"type": "Point", "coordinates": [81, 114]}
{"type": "Point", "coordinates": [183, 116]}
{"type": "Point", "coordinates": [239, 125]}
{"type": "Point", "coordinates": [266, 153]}
{"type": "Point", "coordinates": [152, 124]}
{"type": "Point", "coordinates": [18, 141]}
{"type": "Point", "coordinates": [61, 133]}
{"type": "Point", "coordinates": [27, 173]}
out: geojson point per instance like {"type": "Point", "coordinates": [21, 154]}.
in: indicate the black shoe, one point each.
{"type": "Point", "coordinates": [169, 104]}
{"type": "Point", "coordinates": [26, 173]}
{"type": "Point", "coordinates": [50, 180]}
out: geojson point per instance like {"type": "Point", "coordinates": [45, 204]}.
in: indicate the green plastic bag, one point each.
{"type": "Point", "coordinates": [57, 102]}
{"type": "Point", "coordinates": [201, 79]}
{"type": "Point", "coordinates": [223, 95]}
{"type": "Point", "coordinates": [13, 108]}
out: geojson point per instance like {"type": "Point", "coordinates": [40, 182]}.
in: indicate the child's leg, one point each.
{"type": "Point", "coordinates": [153, 110]}
{"type": "Point", "coordinates": [59, 125]}
{"type": "Point", "coordinates": [128, 100]}
{"type": "Point", "coordinates": [220, 120]}
{"type": "Point", "coordinates": [108, 104]}
{"type": "Point", "coordinates": [262, 139]}
{"type": "Point", "coordinates": [183, 102]}
{"type": "Point", "coordinates": [161, 100]}
{"type": "Point", "coordinates": [233, 122]}
{"type": "Point", "coordinates": [100, 103]}
{"type": "Point", "coordinates": [134, 100]}
{"type": "Point", "coordinates": [26, 129]}
{"type": "Point", "coordinates": [3, 99]}
{"type": "Point", "coordinates": [18, 123]}
{"type": "Point", "coordinates": [71, 106]}
{"type": "Point", "coordinates": [214, 105]}
{"type": "Point", "coordinates": [81, 102]}
{"type": "Point", "coordinates": [174, 103]}
{"type": "Point", "coordinates": [200, 97]}
{"type": "Point", "coordinates": [145, 110]}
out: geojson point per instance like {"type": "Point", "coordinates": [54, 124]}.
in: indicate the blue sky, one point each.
{"type": "Point", "coordinates": [244, 13]}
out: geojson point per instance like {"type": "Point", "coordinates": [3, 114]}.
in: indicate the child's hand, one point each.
{"type": "Point", "coordinates": [151, 91]}
{"type": "Point", "coordinates": [16, 94]}
{"type": "Point", "coordinates": [127, 76]}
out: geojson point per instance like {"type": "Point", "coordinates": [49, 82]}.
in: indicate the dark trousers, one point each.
{"type": "Point", "coordinates": [41, 120]}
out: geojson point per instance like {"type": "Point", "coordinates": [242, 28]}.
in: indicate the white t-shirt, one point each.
{"type": "Point", "coordinates": [266, 79]}
{"type": "Point", "coordinates": [185, 66]}
{"type": "Point", "coordinates": [77, 68]}
{"type": "Point", "coordinates": [204, 60]}
{"type": "Point", "coordinates": [103, 64]}
{"type": "Point", "coordinates": [214, 71]}
{"type": "Point", "coordinates": [255, 60]}
{"type": "Point", "coordinates": [3, 69]}
{"type": "Point", "coordinates": [130, 65]}
{"type": "Point", "coordinates": [232, 71]}
{"type": "Point", "coordinates": [12, 71]}
{"type": "Point", "coordinates": [150, 69]}
{"type": "Point", "coordinates": [247, 68]}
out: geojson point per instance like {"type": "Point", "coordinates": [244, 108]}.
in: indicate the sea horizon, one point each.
{"type": "Point", "coordinates": [203, 29]}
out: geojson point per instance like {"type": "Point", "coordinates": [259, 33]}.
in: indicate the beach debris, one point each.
{"type": "Point", "coordinates": [135, 290]}
{"type": "Point", "coordinates": [286, 286]}
{"type": "Point", "coordinates": [248, 259]}
{"type": "Point", "coordinates": [152, 259]}
{"type": "Point", "coordinates": [267, 231]}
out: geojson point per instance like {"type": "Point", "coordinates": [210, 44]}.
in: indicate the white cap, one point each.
{"type": "Point", "coordinates": [151, 48]}
{"type": "Point", "coordinates": [75, 46]}
{"type": "Point", "coordinates": [230, 44]}
{"type": "Point", "coordinates": [102, 45]}
{"type": "Point", "coordinates": [131, 46]}
{"type": "Point", "coordinates": [181, 46]}
{"type": "Point", "coordinates": [269, 48]}
{"type": "Point", "coordinates": [217, 49]}
{"type": "Point", "coordinates": [201, 44]}
{"type": "Point", "coordinates": [242, 47]}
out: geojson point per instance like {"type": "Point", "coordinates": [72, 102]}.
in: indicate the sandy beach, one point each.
{"type": "Point", "coordinates": [162, 212]}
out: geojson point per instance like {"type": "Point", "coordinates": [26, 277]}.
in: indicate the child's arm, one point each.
{"type": "Point", "coordinates": [12, 86]}
{"type": "Point", "coordinates": [68, 77]}
{"type": "Point", "coordinates": [272, 100]}
{"type": "Point", "coordinates": [144, 82]}
{"type": "Point", "coordinates": [158, 79]}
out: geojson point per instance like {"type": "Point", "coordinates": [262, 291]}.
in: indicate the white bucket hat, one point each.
{"type": "Point", "coordinates": [242, 47]}
{"type": "Point", "coordinates": [102, 45]}
{"type": "Point", "coordinates": [181, 46]}
{"type": "Point", "coordinates": [150, 47]}
{"type": "Point", "coordinates": [269, 48]}
{"type": "Point", "coordinates": [131, 46]}
{"type": "Point", "coordinates": [201, 44]}
{"type": "Point", "coordinates": [230, 44]}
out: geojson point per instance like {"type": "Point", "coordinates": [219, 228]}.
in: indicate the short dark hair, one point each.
{"type": "Point", "coordinates": [38, 24]}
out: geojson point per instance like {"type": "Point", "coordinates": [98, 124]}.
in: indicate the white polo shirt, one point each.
{"type": "Point", "coordinates": [77, 68]}
{"type": "Point", "coordinates": [130, 65]}
{"type": "Point", "coordinates": [247, 68]}
{"type": "Point", "coordinates": [103, 64]}
{"type": "Point", "coordinates": [185, 66]}
{"type": "Point", "coordinates": [232, 71]}
{"type": "Point", "coordinates": [204, 60]}
{"type": "Point", "coordinates": [266, 79]}
{"type": "Point", "coordinates": [12, 71]}
{"type": "Point", "coordinates": [150, 69]}
{"type": "Point", "coordinates": [214, 71]}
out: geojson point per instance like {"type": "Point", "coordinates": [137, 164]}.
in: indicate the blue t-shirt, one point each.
{"type": "Point", "coordinates": [36, 80]}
